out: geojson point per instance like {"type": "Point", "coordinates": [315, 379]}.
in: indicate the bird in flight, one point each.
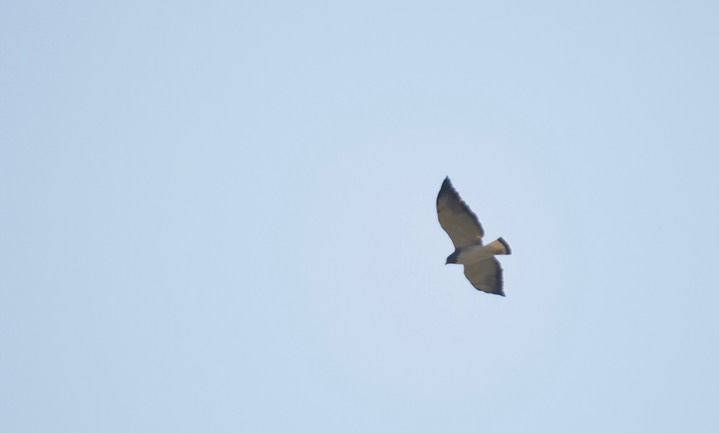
{"type": "Point", "coordinates": [481, 267]}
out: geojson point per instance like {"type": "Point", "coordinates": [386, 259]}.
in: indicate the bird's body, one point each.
{"type": "Point", "coordinates": [473, 254]}
{"type": "Point", "coordinates": [481, 267]}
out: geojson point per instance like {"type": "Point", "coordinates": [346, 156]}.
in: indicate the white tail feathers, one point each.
{"type": "Point", "coordinates": [499, 247]}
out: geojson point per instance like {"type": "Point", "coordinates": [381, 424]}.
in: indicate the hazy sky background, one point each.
{"type": "Point", "coordinates": [219, 216]}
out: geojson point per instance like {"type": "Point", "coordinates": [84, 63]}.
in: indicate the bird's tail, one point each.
{"type": "Point", "coordinates": [500, 246]}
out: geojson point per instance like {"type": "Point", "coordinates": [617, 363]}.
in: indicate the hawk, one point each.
{"type": "Point", "coordinates": [481, 267]}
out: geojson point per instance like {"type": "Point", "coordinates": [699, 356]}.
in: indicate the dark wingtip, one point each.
{"type": "Point", "coordinates": [446, 188]}
{"type": "Point", "coordinates": [498, 293]}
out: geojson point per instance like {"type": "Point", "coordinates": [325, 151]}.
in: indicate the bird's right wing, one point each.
{"type": "Point", "coordinates": [456, 218]}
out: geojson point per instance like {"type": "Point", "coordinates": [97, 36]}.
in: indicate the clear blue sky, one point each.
{"type": "Point", "coordinates": [219, 216]}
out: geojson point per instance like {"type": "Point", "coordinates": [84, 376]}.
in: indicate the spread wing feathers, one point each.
{"type": "Point", "coordinates": [456, 218]}
{"type": "Point", "coordinates": [485, 275]}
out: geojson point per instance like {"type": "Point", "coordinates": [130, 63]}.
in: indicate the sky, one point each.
{"type": "Point", "coordinates": [220, 216]}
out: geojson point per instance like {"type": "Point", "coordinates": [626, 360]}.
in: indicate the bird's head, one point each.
{"type": "Point", "coordinates": [452, 258]}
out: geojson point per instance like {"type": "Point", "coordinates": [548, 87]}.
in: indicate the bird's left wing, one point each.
{"type": "Point", "coordinates": [486, 275]}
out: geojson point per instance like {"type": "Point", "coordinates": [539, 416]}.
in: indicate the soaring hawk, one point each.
{"type": "Point", "coordinates": [481, 267]}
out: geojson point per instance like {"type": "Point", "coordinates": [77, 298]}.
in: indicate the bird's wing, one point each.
{"type": "Point", "coordinates": [485, 275]}
{"type": "Point", "coordinates": [456, 218]}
